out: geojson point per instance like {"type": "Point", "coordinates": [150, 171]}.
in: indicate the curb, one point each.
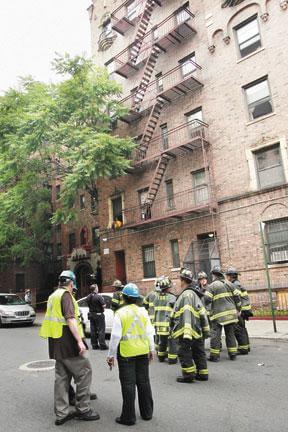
{"type": "Point", "coordinates": [271, 338]}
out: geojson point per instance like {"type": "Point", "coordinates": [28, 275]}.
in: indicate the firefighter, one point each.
{"type": "Point", "coordinates": [202, 281]}
{"type": "Point", "coordinates": [163, 306]}
{"type": "Point", "coordinates": [223, 302]}
{"type": "Point", "coordinates": [117, 299]}
{"type": "Point", "coordinates": [148, 301]}
{"type": "Point", "coordinates": [190, 327]}
{"type": "Point", "coordinates": [240, 330]}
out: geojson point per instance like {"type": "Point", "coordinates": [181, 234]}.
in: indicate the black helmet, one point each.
{"type": "Point", "coordinates": [232, 271]}
{"type": "Point", "coordinates": [217, 270]}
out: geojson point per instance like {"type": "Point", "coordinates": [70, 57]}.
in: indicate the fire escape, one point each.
{"type": "Point", "coordinates": [150, 100]}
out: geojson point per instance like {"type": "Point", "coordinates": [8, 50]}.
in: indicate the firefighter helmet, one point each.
{"type": "Point", "coordinates": [118, 284]}
{"type": "Point", "coordinates": [232, 271]}
{"type": "Point", "coordinates": [163, 282]}
{"type": "Point", "coordinates": [217, 270]}
{"type": "Point", "coordinates": [202, 275]}
{"type": "Point", "coordinates": [186, 274]}
{"type": "Point", "coordinates": [131, 290]}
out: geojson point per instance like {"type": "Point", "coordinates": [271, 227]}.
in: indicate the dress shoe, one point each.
{"type": "Point", "coordinates": [61, 421]}
{"type": "Point", "coordinates": [87, 416]}
{"type": "Point", "coordinates": [123, 422]}
{"type": "Point", "coordinates": [185, 379]}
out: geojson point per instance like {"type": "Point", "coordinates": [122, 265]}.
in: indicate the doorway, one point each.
{"type": "Point", "coordinates": [83, 272]}
{"type": "Point", "coordinates": [120, 266]}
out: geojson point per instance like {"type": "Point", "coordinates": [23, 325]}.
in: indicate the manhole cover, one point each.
{"type": "Point", "coordinates": [39, 365]}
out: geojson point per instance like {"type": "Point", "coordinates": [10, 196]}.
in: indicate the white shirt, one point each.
{"type": "Point", "coordinates": [116, 333]}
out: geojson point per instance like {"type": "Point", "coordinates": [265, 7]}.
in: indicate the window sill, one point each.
{"type": "Point", "coordinates": [279, 265]}
{"type": "Point", "coordinates": [149, 279]}
{"type": "Point", "coordinates": [250, 55]}
{"type": "Point", "coordinates": [260, 119]}
{"type": "Point", "coordinates": [175, 269]}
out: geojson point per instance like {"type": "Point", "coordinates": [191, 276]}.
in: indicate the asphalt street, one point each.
{"type": "Point", "coordinates": [249, 394]}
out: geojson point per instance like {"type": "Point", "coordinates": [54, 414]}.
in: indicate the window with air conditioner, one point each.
{"type": "Point", "coordinates": [269, 167]}
{"type": "Point", "coordinates": [187, 65]}
{"type": "Point", "coordinates": [276, 232]}
{"type": "Point", "coordinates": [258, 98]}
{"type": "Point", "coordinates": [248, 36]}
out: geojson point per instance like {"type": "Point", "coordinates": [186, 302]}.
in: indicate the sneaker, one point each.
{"type": "Point", "coordinates": [61, 421]}
{"type": "Point", "coordinates": [87, 416]}
{"type": "Point", "coordinates": [123, 422]}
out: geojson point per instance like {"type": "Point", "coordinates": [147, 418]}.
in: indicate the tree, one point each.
{"type": "Point", "coordinates": [49, 129]}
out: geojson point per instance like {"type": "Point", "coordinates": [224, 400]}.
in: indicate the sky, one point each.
{"type": "Point", "coordinates": [31, 31]}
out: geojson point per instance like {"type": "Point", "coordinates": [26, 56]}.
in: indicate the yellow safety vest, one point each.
{"type": "Point", "coordinates": [52, 325]}
{"type": "Point", "coordinates": [134, 341]}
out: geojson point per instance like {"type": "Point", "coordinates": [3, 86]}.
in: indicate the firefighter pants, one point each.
{"type": "Point", "coordinates": [134, 372]}
{"type": "Point", "coordinates": [192, 357]}
{"type": "Point", "coordinates": [167, 347]}
{"type": "Point", "coordinates": [242, 337]}
{"type": "Point", "coordinates": [215, 342]}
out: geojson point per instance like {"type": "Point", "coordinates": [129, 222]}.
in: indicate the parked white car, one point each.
{"type": "Point", "coordinates": [14, 310]}
{"type": "Point", "coordinates": [109, 314]}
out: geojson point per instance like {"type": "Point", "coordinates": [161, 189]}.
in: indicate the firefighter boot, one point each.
{"type": "Point", "coordinates": [186, 378]}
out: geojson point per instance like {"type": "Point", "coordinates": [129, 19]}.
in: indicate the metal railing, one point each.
{"type": "Point", "coordinates": [169, 80]}
{"type": "Point", "coordinates": [152, 37]}
{"type": "Point", "coordinates": [192, 133]}
{"type": "Point", "coordinates": [168, 206]}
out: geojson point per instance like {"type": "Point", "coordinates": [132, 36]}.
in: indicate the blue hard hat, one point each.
{"type": "Point", "coordinates": [131, 290]}
{"type": "Point", "coordinates": [68, 275]}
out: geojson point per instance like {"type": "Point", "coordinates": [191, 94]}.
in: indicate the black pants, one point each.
{"type": "Point", "coordinates": [215, 343]}
{"type": "Point", "coordinates": [167, 347]}
{"type": "Point", "coordinates": [134, 372]}
{"type": "Point", "coordinates": [192, 357]}
{"type": "Point", "coordinates": [241, 335]}
{"type": "Point", "coordinates": [97, 329]}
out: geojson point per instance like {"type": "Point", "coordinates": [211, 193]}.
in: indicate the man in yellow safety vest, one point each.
{"type": "Point", "coordinates": [133, 344]}
{"type": "Point", "coordinates": [64, 331]}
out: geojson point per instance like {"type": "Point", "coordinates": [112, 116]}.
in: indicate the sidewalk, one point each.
{"type": "Point", "coordinates": [259, 329]}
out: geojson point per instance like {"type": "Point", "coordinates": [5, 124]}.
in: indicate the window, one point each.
{"type": "Point", "coordinates": [20, 282]}
{"type": "Point", "coordinates": [170, 194]}
{"type": "Point", "coordinates": [248, 36]}
{"type": "Point", "coordinates": [182, 15]}
{"type": "Point", "coordinates": [59, 249]}
{"type": "Point", "coordinates": [94, 203]}
{"type": "Point", "coordinates": [132, 10]}
{"type": "Point", "coordinates": [175, 253]}
{"type": "Point", "coordinates": [200, 187]}
{"type": "Point", "coordinates": [194, 119]}
{"type": "Point", "coordinates": [58, 192]}
{"type": "Point", "coordinates": [159, 82]}
{"type": "Point", "coordinates": [277, 240]}
{"type": "Point", "coordinates": [258, 98]}
{"type": "Point", "coordinates": [72, 242]}
{"type": "Point", "coordinates": [82, 201]}
{"type": "Point", "coordinates": [188, 65]}
{"type": "Point", "coordinates": [164, 136]}
{"type": "Point", "coordinates": [117, 215]}
{"type": "Point", "coordinates": [269, 167]}
{"type": "Point", "coordinates": [83, 236]}
{"type": "Point", "coordinates": [148, 261]}
{"type": "Point", "coordinates": [96, 239]}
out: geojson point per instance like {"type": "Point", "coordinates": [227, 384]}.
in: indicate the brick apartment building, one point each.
{"type": "Point", "coordinates": [206, 91]}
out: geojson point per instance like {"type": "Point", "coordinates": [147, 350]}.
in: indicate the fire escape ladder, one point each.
{"type": "Point", "coordinates": [150, 127]}
{"type": "Point", "coordinates": [157, 179]}
{"type": "Point", "coordinates": [141, 28]}
{"type": "Point", "coordinates": [146, 76]}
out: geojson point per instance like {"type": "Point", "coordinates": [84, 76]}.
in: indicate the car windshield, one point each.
{"type": "Point", "coordinates": [8, 300]}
